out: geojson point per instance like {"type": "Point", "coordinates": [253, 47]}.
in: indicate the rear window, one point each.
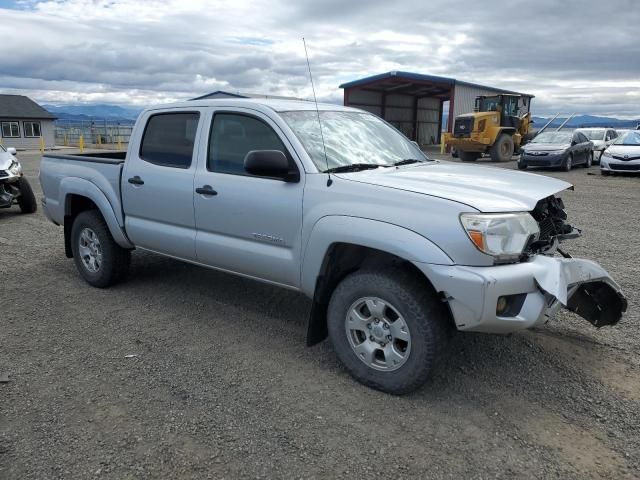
{"type": "Point", "coordinates": [168, 139]}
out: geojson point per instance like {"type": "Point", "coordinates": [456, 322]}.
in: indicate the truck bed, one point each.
{"type": "Point", "coordinates": [99, 157]}
{"type": "Point", "coordinates": [64, 174]}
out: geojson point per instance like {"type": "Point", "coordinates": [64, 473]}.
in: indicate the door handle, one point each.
{"type": "Point", "coordinates": [136, 180]}
{"type": "Point", "coordinates": [206, 190]}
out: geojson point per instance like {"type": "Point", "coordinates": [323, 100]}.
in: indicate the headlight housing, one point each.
{"type": "Point", "coordinates": [606, 153]}
{"type": "Point", "coordinates": [501, 235]}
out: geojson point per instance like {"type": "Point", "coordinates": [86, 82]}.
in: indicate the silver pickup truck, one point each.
{"type": "Point", "coordinates": [395, 249]}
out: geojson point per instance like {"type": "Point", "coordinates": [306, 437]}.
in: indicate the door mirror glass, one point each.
{"type": "Point", "coordinates": [269, 163]}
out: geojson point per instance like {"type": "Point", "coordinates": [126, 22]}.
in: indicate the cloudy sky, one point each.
{"type": "Point", "coordinates": [574, 55]}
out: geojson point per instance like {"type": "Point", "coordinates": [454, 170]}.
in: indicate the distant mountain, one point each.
{"type": "Point", "coordinates": [112, 113]}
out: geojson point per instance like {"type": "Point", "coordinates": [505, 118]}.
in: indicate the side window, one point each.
{"type": "Point", "coordinates": [10, 129]}
{"type": "Point", "coordinates": [168, 139]}
{"type": "Point", "coordinates": [582, 138]}
{"type": "Point", "coordinates": [233, 136]}
{"type": "Point", "coordinates": [32, 129]}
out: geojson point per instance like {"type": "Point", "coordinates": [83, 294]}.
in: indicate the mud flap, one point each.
{"type": "Point", "coordinates": [583, 287]}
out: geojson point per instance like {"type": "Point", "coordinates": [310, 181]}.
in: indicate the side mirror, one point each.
{"type": "Point", "coordinates": [269, 163]}
{"type": "Point", "coordinates": [12, 151]}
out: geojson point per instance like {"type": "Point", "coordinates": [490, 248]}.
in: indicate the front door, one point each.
{"type": "Point", "coordinates": [157, 185]}
{"type": "Point", "coordinates": [247, 224]}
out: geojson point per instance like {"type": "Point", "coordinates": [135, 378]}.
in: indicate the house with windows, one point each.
{"type": "Point", "coordinates": [23, 122]}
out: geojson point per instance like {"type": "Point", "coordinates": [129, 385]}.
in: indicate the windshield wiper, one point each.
{"type": "Point", "coordinates": [406, 161]}
{"type": "Point", "coordinates": [353, 167]}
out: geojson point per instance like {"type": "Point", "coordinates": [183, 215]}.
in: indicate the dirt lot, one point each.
{"type": "Point", "coordinates": [223, 386]}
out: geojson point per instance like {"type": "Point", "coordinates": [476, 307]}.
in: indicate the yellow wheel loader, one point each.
{"type": "Point", "coordinates": [499, 126]}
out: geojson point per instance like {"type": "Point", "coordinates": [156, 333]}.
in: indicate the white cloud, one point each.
{"type": "Point", "coordinates": [144, 52]}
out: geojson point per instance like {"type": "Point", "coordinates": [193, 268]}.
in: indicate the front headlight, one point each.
{"type": "Point", "coordinates": [607, 154]}
{"type": "Point", "coordinates": [501, 235]}
{"type": "Point", "coordinates": [15, 168]}
{"type": "Point", "coordinates": [557, 152]}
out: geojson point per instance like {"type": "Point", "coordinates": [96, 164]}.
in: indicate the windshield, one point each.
{"type": "Point", "coordinates": [597, 134]}
{"type": "Point", "coordinates": [629, 138]}
{"type": "Point", "coordinates": [2, 149]}
{"type": "Point", "coordinates": [350, 138]}
{"type": "Point", "coordinates": [555, 138]}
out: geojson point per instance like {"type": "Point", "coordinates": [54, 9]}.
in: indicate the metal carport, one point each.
{"type": "Point", "coordinates": [413, 102]}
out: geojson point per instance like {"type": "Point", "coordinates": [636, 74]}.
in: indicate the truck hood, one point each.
{"type": "Point", "coordinates": [487, 189]}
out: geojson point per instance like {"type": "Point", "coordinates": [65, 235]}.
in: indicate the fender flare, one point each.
{"type": "Point", "coordinates": [365, 232]}
{"type": "Point", "coordinates": [84, 188]}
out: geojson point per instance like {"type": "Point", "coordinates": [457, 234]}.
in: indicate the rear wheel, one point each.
{"type": "Point", "coordinates": [26, 200]}
{"type": "Point", "coordinates": [388, 328]}
{"type": "Point", "coordinates": [98, 258]}
{"type": "Point", "coordinates": [589, 161]}
{"type": "Point", "coordinates": [469, 156]}
{"type": "Point", "coordinates": [502, 149]}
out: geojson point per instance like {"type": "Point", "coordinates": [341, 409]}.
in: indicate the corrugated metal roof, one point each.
{"type": "Point", "coordinates": [19, 106]}
{"type": "Point", "coordinates": [423, 78]}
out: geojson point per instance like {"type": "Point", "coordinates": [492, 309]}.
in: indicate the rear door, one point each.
{"type": "Point", "coordinates": [579, 148]}
{"type": "Point", "coordinates": [247, 224]}
{"type": "Point", "coordinates": [157, 183]}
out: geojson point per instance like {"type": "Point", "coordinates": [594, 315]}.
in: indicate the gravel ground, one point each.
{"type": "Point", "coordinates": [222, 385]}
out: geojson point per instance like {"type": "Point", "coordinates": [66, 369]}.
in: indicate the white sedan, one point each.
{"type": "Point", "coordinates": [601, 138]}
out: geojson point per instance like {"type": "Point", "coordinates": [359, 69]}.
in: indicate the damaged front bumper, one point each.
{"type": "Point", "coordinates": [507, 298]}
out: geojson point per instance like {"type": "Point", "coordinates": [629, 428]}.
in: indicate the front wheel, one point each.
{"type": "Point", "coordinates": [503, 148]}
{"type": "Point", "coordinates": [26, 200]}
{"type": "Point", "coordinates": [522, 166]}
{"type": "Point", "coordinates": [98, 258]}
{"type": "Point", "coordinates": [388, 329]}
{"type": "Point", "coordinates": [568, 164]}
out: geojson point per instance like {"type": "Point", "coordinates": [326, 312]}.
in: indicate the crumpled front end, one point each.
{"type": "Point", "coordinates": [506, 298]}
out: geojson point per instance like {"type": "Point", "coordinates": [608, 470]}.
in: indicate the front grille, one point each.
{"type": "Point", "coordinates": [463, 127]}
{"type": "Point", "coordinates": [617, 166]}
{"type": "Point", "coordinates": [3, 173]}
{"type": "Point", "coordinates": [625, 158]}
{"type": "Point", "coordinates": [538, 154]}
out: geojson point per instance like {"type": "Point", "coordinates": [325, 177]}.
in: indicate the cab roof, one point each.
{"type": "Point", "coordinates": [273, 104]}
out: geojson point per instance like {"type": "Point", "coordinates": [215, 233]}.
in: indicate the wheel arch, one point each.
{"type": "Point", "coordinates": [81, 195]}
{"type": "Point", "coordinates": [332, 254]}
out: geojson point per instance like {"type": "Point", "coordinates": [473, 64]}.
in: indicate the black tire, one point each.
{"type": "Point", "coordinates": [522, 166]}
{"type": "Point", "coordinates": [469, 156]}
{"type": "Point", "coordinates": [503, 148]}
{"type": "Point", "coordinates": [454, 152]}
{"type": "Point", "coordinates": [589, 161]}
{"type": "Point", "coordinates": [114, 266]}
{"type": "Point", "coordinates": [605, 173]}
{"type": "Point", "coordinates": [425, 315]}
{"type": "Point", "coordinates": [568, 163]}
{"type": "Point", "coordinates": [26, 200]}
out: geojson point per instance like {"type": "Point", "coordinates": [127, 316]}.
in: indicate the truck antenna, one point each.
{"type": "Point", "coordinates": [324, 148]}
